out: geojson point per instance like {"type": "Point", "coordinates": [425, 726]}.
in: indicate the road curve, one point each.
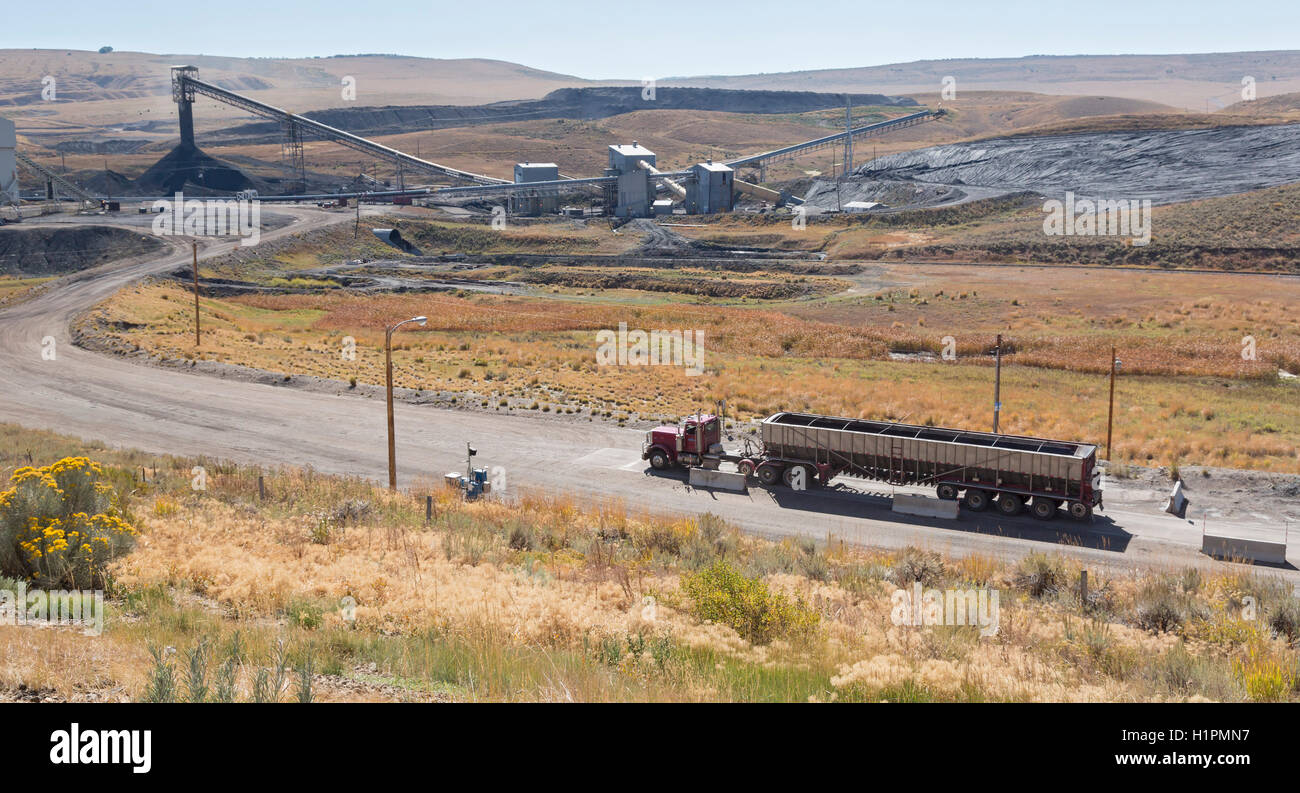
{"type": "Point", "coordinates": [95, 396]}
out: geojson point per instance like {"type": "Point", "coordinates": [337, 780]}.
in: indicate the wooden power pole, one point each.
{"type": "Point", "coordinates": [1110, 415]}
{"type": "Point", "coordinates": [194, 246]}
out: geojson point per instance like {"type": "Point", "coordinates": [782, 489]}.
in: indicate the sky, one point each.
{"type": "Point", "coordinates": [632, 41]}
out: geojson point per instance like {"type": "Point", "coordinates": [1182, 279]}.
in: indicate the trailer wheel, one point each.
{"type": "Point", "coordinates": [809, 476]}
{"type": "Point", "coordinates": [976, 500]}
{"type": "Point", "coordinates": [948, 491]}
{"type": "Point", "coordinates": [1080, 510]}
{"type": "Point", "coordinates": [769, 474]}
{"type": "Point", "coordinates": [658, 460]}
{"type": "Point", "coordinates": [1010, 504]}
{"type": "Point", "coordinates": [1044, 508]}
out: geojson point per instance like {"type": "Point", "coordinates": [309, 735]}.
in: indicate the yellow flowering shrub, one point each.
{"type": "Point", "coordinates": [59, 526]}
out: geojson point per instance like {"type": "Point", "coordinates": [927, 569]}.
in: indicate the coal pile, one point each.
{"type": "Point", "coordinates": [1165, 166]}
{"type": "Point", "coordinates": [186, 167]}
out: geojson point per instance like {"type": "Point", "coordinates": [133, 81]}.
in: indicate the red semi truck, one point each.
{"type": "Point", "coordinates": [983, 469]}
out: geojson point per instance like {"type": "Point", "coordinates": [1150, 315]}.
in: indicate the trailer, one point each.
{"type": "Point", "coordinates": [982, 469]}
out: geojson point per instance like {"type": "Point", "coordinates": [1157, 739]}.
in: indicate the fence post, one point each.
{"type": "Point", "coordinates": [261, 488]}
{"type": "Point", "coordinates": [428, 509]}
{"type": "Point", "coordinates": [1083, 589]}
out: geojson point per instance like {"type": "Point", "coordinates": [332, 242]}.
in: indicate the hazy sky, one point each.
{"type": "Point", "coordinates": [624, 40]}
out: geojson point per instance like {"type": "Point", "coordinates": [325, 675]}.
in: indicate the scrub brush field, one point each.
{"type": "Point", "coordinates": [333, 589]}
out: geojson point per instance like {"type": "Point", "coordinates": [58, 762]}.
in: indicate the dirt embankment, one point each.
{"type": "Point", "coordinates": [49, 250]}
{"type": "Point", "coordinates": [568, 103]}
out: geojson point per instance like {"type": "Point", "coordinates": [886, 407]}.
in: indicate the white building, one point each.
{"type": "Point", "coordinates": [8, 162]}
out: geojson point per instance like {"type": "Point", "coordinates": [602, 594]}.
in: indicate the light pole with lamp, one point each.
{"type": "Point", "coordinates": [388, 366]}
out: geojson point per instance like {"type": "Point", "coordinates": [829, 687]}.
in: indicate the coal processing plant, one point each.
{"type": "Point", "coordinates": [631, 186]}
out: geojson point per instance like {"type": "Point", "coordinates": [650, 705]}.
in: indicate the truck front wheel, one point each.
{"type": "Point", "coordinates": [658, 460]}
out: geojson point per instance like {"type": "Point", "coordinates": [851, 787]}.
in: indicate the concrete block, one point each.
{"type": "Point", "coordinates": [925, 506]}
{"type": "Point", "coordinates": [1177, 503]}
{"type": "Point", "coordinates": [1243, 549]}
{"type": "Point", "coordinates": [723, 480]}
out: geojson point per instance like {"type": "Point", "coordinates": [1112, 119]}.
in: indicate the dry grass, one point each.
{"type": "Point", "coordinates": [546, 598]}
{"type": "Point", "coordinates": [528, 353]}
{"type": "Point", "coordinates": [14, 289]}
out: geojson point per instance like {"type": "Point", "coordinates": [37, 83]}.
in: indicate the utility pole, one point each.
{"type": "Point", "coordinates": [194, 246]}
{"type": "Point", "coordinates": [1110, 416]}
{"type": "Point", "coordinates": [997, 382]}
{"type": "Point", "coordinates": [848, 136]}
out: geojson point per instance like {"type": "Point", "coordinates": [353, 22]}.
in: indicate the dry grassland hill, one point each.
{"type": "Point", "coordinates": [1193, 82]}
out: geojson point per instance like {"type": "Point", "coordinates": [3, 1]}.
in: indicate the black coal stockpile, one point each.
{"type": "Point", "coordinates": [188, 166]}
{"type": "Point", "coordinates": [1165, 166]}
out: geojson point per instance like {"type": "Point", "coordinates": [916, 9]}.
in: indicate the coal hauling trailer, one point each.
{"type": "Point", "coordinates": [983, 469]}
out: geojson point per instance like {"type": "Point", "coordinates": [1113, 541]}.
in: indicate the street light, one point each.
{"type": "Point", "coordinates": [997, 383]}
{"type": "Point", "coordinates": [388, 365]}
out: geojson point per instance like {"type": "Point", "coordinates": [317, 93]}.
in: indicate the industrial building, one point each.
{"type": "Point", "coordinates": [713, 189]}
{"type": "Point", "coordinates": [8, 162]}
{"type": "Point", "coordinates": [522, 203]}
{"type": "Point", "coordinates": [632, 195]}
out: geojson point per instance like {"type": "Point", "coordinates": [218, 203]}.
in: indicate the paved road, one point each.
{"type": "Point", "coordinates": [170, 411]}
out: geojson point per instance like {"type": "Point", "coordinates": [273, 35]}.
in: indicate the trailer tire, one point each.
{"type": "Point", "coordinates": [769, 474]}
{"type": "Point", "coordinates": [658, 460]}
{"type": "Point", "coordinates": [1044, 508]}
{"type": "Point", "coordinates": [809, 476]}
{"type": "Point", "coordinates": [947, 491]}
{"type": "Point", "coordinates": [1010, 504]}
{"type": "Point", "coordinates": [1080, 510]}
{"type": "Point", "coordinates": [976, 500]}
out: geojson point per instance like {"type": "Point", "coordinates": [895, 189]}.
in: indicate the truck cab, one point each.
{"type": "Point", "coordinates": [684, 445]}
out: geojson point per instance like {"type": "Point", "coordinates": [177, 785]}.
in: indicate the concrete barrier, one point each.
{"type": "Point", "coordinates": [925, 506]}
{"type": "Point", "coordinates": [723, 480]}
{"type": "Point", "coordinates": [1177, 503]}
{"type": "Point", "coordinates": [1243, 549]}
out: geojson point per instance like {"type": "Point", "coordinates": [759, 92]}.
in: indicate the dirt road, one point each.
{"type": "Point", "coordinates": [168, 411]}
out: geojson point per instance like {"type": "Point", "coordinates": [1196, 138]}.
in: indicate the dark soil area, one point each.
{"type": "Point", "coordinates": [50, 250]}
{"type": "Point", "coordinates": [1164, 166]}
